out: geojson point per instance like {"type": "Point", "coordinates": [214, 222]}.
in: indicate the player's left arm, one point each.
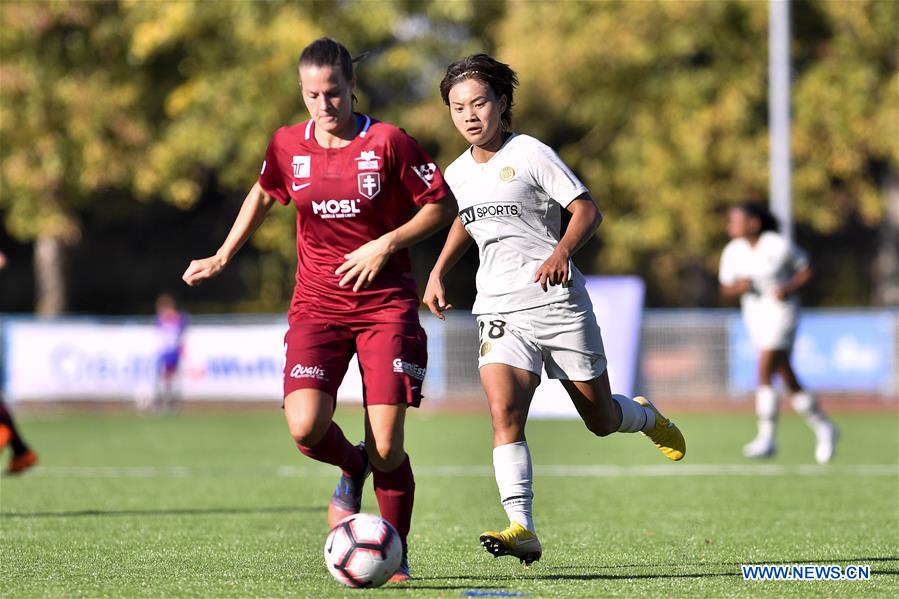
{"type": "Point", "coordinates": [364, 263]}
{"type": "Point", "coordinates": [585, 218]}
{"type": "Point", "coordinates": [796, 282]}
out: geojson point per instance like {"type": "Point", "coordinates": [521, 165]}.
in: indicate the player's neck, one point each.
{"type": "Point", "coordinates": [339, 138]}
{"type": "Point", "coordinates": [485, 152]}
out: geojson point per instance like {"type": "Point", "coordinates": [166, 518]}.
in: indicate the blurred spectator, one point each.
{"type": "Point", "coordinates": [170, 327]}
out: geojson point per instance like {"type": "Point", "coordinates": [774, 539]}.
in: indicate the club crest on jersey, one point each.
{"type": "Point", "coordinates": [426, 172]}
{"type": "Point", "coordinates": [507, 173]}
{"type": "Point", "coordinates": [369, 184]}
{"type": "Point", "coordinates": [301, 167]}
{"type": "Point", "coordinates": [368, 161]}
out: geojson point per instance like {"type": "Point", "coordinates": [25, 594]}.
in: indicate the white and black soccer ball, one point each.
{"type": "Point", "coordinates": [363, 551]}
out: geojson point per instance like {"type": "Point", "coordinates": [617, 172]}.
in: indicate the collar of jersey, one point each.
{"type": "Point", "coordinates": [501, 148]}
{"type": "Point", "coordinates": [363, 124]}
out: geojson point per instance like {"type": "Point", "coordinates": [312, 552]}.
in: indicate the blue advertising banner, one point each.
{"type": "Point", "coordinates": [834, 352]}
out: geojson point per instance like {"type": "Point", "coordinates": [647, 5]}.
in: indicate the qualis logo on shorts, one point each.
{"type": "Point", "coordinates": [336, 208]}
{"type": "Point", "coordinates": [413, 370]}
{"type": "Point", "coordinates": [489, 210]}
{"type": "Point", "coordinates": [308, 372]}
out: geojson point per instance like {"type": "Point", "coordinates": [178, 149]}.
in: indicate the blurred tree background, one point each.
{"type": "Point", "coordinates": [131, 129]}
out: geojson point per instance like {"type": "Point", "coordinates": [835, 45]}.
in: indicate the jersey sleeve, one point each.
{"type": "Point", "coordinates": [554, 176]}
{"type": "Point", "coordinates": [726, 270]}
{"type": "Point", "coordinates": [271, 177]}
{"type": "Point", "coordinates": [417, 171]}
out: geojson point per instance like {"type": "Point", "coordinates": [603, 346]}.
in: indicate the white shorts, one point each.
{"type": "Point", "coordinates": [562, 337]}
{"type": "Point", "coordinates": [771, 323]}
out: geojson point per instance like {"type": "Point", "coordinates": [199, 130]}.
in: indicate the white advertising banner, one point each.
{"type": "Point", "coordinates": [73, 360]}
{"type": "Point", "coordinates": [618, 305]}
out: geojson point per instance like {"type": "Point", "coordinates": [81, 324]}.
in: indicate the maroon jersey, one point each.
{"type": "Point", "coordinates": [346, 197]}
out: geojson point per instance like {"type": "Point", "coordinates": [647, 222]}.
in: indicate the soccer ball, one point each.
{"type": "Point", "coordinates": [363, 551]}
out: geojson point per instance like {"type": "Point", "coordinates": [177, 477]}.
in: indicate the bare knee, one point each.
{"type": "Point", "coordinates": [385, 455]}
{"type": "Point", "coordinates": [602, 427]}
{"type": "Point", "coordinates": [307, 429]}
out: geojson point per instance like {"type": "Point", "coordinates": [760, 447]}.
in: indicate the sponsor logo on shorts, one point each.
{"type": "Point", "coordinates": [413, 370]}
{"type": "Point", "coordinates": [489, 210]}
{"type": "Point", "coordinates": [308, 372]}
{"type": "Point", "coordinates": [336, 208]}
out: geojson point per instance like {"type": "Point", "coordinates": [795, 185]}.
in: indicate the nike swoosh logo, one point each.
{"type": "Point", "coordinates": [299, 186]}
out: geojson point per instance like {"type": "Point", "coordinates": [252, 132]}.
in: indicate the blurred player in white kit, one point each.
{"type": "Point", "coordinates": [766, 271]}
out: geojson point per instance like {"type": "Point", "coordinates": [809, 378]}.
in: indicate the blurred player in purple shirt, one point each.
{"type": "Point", "coordinates": [170, 327]}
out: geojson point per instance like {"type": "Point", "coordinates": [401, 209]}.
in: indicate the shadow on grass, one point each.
{"type": "Point", "coordinates": [823, 560]}
{"type": "Point", "coordinates": [527, 577]}
{"type": "Point", "coordinates": [214, 511]}
{"type": "Point", "coordinates": [553, 574]}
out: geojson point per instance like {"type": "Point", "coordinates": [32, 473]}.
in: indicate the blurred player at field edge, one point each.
{"type": "Point", "coordinates": [532, 304]}
{"type": "Point", "coordinates": [171, 324]}
{"type": "Point", "coordinates": [364, 192]}
{"type": "Point", "coordinates": [22, 457]}
{"type": "Point", "coordinates": [766, 271]}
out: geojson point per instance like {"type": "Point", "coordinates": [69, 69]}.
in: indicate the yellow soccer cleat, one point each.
{"type": "Point", "coordinates": [516, 541]}
{"type": "Point", "coordinates": [665, 434]}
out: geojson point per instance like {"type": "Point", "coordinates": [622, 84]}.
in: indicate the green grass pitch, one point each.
{"type": "Point", "coordinates": [220, 504]}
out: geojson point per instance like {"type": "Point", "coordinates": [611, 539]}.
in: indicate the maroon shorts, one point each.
{"type": "Point", "coordinates": [392, 359]}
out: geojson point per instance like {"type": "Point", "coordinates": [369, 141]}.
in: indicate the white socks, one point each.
{"type": "Point", "coordinates": [766, 410]}
{"type": "Point", "coordinates": [634, 417]}
{"type": "Point", "coordinates": [806, 406]}
{"type": "Point", "coordinates": [514, 475]}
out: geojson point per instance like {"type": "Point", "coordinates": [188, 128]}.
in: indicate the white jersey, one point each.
{"type": "Point", "coordinates": [771, 263]}
{"type": "Point", "coordinates": [511, 206]}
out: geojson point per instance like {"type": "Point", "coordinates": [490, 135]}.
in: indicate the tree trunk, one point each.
{"type": "Point", "coordinates": [49, 275]}
{"type": "Point", "coordinates": [887, 266]}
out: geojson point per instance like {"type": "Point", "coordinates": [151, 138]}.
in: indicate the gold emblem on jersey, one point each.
{"type": "Point", "coordinates": [507, 173]}
{"type": "Point", "coordinates": [485, 348]}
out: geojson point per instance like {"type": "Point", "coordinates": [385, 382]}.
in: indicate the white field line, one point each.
{"type": "Point", "coordinates": [483, 471]}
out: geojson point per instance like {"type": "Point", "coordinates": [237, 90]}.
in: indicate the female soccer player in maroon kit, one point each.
{"type": "Point", "coordinates": [364, 192]}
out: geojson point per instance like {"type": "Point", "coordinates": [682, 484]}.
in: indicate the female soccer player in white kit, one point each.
{"type": "Point", "coordinates": [765, 271]}
{"type": "Point", "coordinates": [532, 306]}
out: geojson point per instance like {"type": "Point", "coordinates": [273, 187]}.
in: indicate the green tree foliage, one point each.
{"type": "Point", "coordinates": [661, 106]}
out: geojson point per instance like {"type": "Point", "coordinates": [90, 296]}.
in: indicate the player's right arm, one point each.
{"type": "Point", "coordinates": [253, 211]}
{"type": "Point", "coordinates": [457, 243]}
{"type": "Point", "coordinates": [732, 285]}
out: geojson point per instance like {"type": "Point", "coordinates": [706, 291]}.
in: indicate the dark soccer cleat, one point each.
{"type": "Point", "coordinates": [347, 498]}
{"type": "Point", "coordinates": [19, 464]}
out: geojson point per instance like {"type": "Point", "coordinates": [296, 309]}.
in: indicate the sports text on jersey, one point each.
{"type": "Point", "coordinates": [489, 210]}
